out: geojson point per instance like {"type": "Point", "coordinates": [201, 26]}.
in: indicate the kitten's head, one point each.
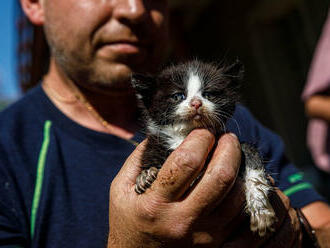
{"type": "Point", "coordinates": [192, 94]}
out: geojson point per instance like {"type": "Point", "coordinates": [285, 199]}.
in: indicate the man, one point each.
{"type": "Point", "coordinates": [65, 142]}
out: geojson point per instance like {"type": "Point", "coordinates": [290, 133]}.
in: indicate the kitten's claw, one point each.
{"type": "Point", "coordinates": [145, 179]}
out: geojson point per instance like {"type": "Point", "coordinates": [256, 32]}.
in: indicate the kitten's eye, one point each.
{"type": "Point", "coordinates": [208, 95]}
{"type": "Point", "coordinates": [179, 96]}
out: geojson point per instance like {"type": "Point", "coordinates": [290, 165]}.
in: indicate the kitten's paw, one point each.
{"type": "Point", "coordinates": [145, 179]}
{"type": "Point", "coordinates": [262, 221]}
{"type": "Point", "coordinates": [257, 203]}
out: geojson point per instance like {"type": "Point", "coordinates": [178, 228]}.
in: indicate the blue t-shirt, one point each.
{"type": "Point", "coordinates": [55, 174]}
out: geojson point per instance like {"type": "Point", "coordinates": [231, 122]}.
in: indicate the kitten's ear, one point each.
{"type": "Point", "coordinates": [235, 72]}
{"type": "Point", "coordinates": [144, 86]}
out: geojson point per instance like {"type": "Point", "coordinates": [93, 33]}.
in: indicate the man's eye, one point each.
{"type": "Point", "coordinates": [208, 95]}
{"type": "Point", "coordinates": [179, 96]}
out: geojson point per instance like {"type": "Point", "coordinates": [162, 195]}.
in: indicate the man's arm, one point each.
{"type": "Point", "coordinates": [318, 106]}
{"type": "Point", "coordinates": [318, 216]}
{"type": "Point", "coordinates": [318, 213]}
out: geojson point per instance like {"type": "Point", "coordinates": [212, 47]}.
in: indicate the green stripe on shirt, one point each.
{"type": "Point", "coordinates": [295, 177]}
{"type": "Point", "coordinates": [296, 188]}
{"type": "Point", "coordinates": [40, 175]}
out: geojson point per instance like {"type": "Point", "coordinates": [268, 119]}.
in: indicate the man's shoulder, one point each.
{"type": "Point", "coordinates": [23, 107]}
{"type": "Point", "coordinates": [21, 116]}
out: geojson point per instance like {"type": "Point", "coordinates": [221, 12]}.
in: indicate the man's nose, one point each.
{"type": "Point", "coordinates": [132, 10]}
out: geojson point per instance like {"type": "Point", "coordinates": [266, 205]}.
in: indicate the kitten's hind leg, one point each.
{"type": "Point", "coordinates": [257, 189]}
{"type": "Point", "coordinates": [145, 179]}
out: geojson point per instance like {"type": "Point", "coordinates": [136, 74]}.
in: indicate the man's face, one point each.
{"type": "Point", "coordinates": [101, 42]}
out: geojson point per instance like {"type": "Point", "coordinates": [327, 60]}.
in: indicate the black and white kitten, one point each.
{"type": "Point", "coordinates": [197, 95]}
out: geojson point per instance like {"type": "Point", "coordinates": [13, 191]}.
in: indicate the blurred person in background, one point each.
{"type": "Point", "coordinates": [316, 96]}
{"type": "Point", "coordinates": [66, 140]}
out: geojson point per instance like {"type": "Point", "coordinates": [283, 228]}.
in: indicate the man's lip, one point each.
{"type": "Point", "coordinates": [126, 47]}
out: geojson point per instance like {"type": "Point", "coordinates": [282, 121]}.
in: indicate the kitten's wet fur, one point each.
{"type": "Point", "coordinates": [197, 95]}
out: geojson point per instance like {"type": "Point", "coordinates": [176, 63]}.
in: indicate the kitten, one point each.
{"type": "Point", "coordinates": [197, 95]}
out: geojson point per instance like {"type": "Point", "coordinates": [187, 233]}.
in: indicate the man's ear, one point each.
{"type": "Point", "coordinates": [34, 10]}
{"type": "Point", "coordinates": [144, 86]}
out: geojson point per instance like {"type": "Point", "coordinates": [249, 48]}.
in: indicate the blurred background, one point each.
{"type": "Point", "coordinates": [275, 39]}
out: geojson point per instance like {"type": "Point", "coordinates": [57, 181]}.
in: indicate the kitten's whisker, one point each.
{"type": "Point", "coordinates": [227, 115]}
{"type": "Point", "coordinates": [238, 128]}
{"type": "Point", "coordinates": [220, 121]}
{"type": "Point", "coordinates": [223, 114]}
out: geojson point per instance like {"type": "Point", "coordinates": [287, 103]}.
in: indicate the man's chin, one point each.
{"type": "Point", "coordinates": [110, 73]}
{"type": "Point", "coordinates": [109, 88]}
{"type": "Point", "coordinates": [105, 76]}
{"type": "Point", "coordinates": [118, 80]}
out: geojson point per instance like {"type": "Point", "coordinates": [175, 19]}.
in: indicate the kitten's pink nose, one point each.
{"type": "Point", "coordinates": [196, 103]}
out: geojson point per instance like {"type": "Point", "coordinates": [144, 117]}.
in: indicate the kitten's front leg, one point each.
{"type": "Point", "coordinates": [145, 179]}
{"type": "Point", "coordinates": [153, 157]}
{"type": "Point", "coordinates": [257, 189]}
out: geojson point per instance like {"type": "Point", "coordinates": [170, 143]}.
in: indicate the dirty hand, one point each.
{"type": "Point", "coordinates": [211, 214]}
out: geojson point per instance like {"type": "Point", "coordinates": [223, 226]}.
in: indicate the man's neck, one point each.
{"type": "Point", "coordinates": [117, 109]}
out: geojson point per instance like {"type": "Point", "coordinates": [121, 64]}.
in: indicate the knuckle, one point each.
{"type": "Point", "coordinates": [231, 141]}
{"type": "Point", "coordinates": [205, 134]}
{"type": "Point", "coordinates": [202, 133]}
{"type": "Point", "coordinates": [150, 208]}
{"type": "Point", "coordinates": [158, 218]}
{"type": "Point", "coordinates": [178, 231]}
{"type": "Point", "coordinates": [226, 181]}
{"type": "Point", "coordinates": [163, 219]}
{"type": "Point", "coordinates": [178, 227]}
{"type": "Point", "coordinates": [226, 176]}
{"type": "Point", "coordinates": [187, 160]}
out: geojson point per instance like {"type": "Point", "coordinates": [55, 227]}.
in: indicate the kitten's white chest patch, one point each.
{"type": "Point", "coordinates": [175, 134]}
{"type": "Point", "coordinates": [175, 141]}
{"type": "Point", "coordinates": [172, 134]}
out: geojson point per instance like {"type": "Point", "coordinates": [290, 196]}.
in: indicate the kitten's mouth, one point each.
{"type": "Point", "coordinates": [197, 117]}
